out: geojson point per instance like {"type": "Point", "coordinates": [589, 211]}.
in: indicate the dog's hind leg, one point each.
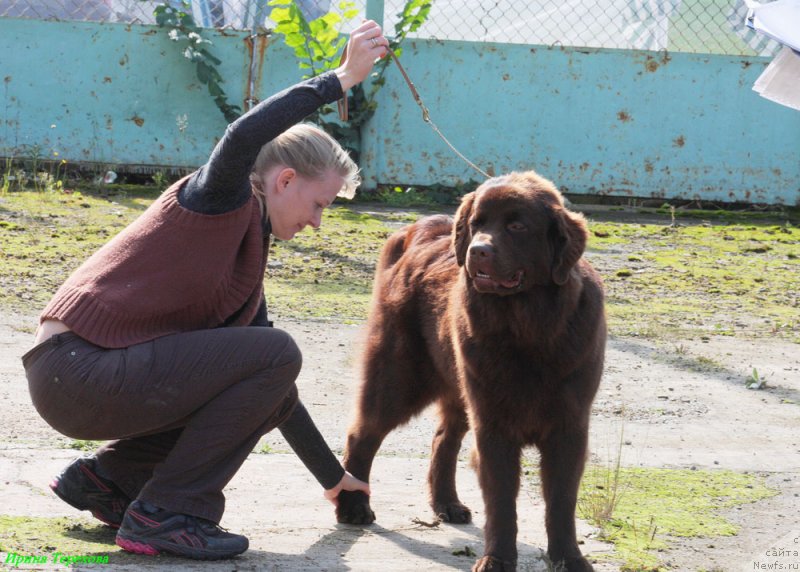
{"type": "Point", "coordinates": [447, 440]}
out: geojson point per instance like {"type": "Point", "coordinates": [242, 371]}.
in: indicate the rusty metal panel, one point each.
{"type": "Point", "coordinates": [114, 94]}
{"type": "Point", "coordinates": [596, 121]}
{"type": "Point", "coordinates": [602, 121]}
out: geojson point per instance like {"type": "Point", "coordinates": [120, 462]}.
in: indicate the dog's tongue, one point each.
{"type": "Point", "coordinates": [513, 283]}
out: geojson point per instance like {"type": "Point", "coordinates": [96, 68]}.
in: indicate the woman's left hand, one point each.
{"type": "Point", "coordinates": [366, 45]}
{"type": "Point", "coordinates": [348, 483]}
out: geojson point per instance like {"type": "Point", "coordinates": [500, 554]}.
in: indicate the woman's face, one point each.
{"type": "Point", "coordinates": [294, 201]}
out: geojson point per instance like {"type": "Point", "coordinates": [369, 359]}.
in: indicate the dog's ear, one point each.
{"type": "Point", "coordinates": [570, 234]}
{"type": "Point", "coordinates": [461, 234]}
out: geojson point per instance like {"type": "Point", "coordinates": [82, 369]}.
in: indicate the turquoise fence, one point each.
{"type": "Point", "coordinates": [595, 120]}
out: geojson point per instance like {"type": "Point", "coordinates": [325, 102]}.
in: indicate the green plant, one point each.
{"type": "Point", "coordinates": [33, 157]}
{"type": "Point", "coordinates": [83, 445]}
{"type": "Point", "coordinates": [599, 500]}
{"type": "Point", "coordinates": [755, 380]}
{"type": "Point", "coordinates": [45, 173]}
{"type": "Point", "coordinates": [194, 46]}
{"type": "Point", "coordinates": [264, 449]}
{"type": "Point", "coordinates": [433, 196]}
{"type": "Point", "coordinates": [316, 45]}
{"type": "Point", "coordinates": [159, 179]}
{"type": "Point", "coordinates": [7, 176]}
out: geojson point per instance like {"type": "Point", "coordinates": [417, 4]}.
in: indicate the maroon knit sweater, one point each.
{"type": "Point", "coordinates": [171, 270]}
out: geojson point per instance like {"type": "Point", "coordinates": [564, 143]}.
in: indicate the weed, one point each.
{"type": "Point", "coordinates": [418, 197]}
{"type": "Point", "coordinates": [681, 349]}
{"type": "Point", "coordinates": [84, 445]}
{"type": "Point", "coordinates": [159, 179]}
{"type": "Point", "coordinates": [598, 502]}
{"type": "Point", "coordinates": [755, 380]}
{"type": "Point", "coordinates": [703, 363]}
{"type": "Point", "coordinates": [264, 449]}
{"type": "Point", "coordinates": [7, 176]}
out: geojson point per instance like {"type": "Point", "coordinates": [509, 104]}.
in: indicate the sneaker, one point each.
{"type": "Point", "coordinates": [150, 530]}
{"type": "Point", "coordinates": [80, 486]}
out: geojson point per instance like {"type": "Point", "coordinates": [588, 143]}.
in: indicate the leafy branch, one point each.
{"type": "Point", "coordinates": [184, 31]}
{"type": "Point", "coordinates": [316, 45]}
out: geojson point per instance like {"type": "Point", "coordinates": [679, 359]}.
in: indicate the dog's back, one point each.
{"type": "Point", "coordinates": [413, 279]}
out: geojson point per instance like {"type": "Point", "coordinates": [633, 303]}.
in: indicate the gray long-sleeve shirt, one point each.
{"type": "Point", "coordinates": [223, 184]}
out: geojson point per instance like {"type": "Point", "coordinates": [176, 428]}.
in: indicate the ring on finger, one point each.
{"type": "Point", "coordinates": [374, 42]}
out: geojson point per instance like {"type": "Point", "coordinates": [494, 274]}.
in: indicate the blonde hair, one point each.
{"type": "Point", "coordinates": [312, 153]}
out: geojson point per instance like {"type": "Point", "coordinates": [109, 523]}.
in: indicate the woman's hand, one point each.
{"type": "Point", "coordinates": [366, 45]}
{"type": "Point", "coordinates": [348, 483]}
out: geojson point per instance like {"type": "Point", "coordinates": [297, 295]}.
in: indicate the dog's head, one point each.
{"type": "Point", "coordinates": [513, 232]}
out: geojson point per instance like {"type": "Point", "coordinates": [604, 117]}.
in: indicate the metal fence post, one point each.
{"type": "Point", "coordinates": [375, 11]}
{"type": "Point", "coordinates": [369, 138]}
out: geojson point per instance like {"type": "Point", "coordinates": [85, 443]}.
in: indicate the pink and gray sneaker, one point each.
{"type": "Point", "coordinates": [147, 529]}
{"type": "Point", "coordinates": [79, 485]}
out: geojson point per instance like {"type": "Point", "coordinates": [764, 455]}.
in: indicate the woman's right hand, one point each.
{"type": "Point", "coordinates": [347, 483]}
{"type": "Point", "coordinates": [366, 45]}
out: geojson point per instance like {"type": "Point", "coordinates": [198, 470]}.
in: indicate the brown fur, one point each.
{"type": "Point", "coordinates": [499, 320]}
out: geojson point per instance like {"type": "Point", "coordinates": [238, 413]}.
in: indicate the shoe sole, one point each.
{"type": "Point", "coordinates": [99, 516]}
{"type": "Point", "coordinates": [137, 547]}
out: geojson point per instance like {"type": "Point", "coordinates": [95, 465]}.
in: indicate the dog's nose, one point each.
{"type": "Point", "coordinates": [480, 250]}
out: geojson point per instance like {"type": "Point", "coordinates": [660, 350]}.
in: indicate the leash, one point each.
{"type": "Point", "coordinates": [426, 115]}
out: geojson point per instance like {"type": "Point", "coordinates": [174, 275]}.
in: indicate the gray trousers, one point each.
{"type": "Point", "coordinates": [183, 411]}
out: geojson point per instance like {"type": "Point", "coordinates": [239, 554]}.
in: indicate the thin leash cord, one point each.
{"type": "Point", "coordinates": [426, 116]}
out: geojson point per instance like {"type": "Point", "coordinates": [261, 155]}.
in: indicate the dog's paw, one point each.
{"type": "Point", "coordinates": [576, 564]}
{"type": "Point", "coordinates": [353, 508]}
{"type": "Point", "coordinates": [492, 564]}
{"type": "Point", "coordinates": [454, 512]}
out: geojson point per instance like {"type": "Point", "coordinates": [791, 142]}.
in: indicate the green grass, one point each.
{"type": "Point", "coordinates": [45, 235]}
{"type": "Point", "coordinates": [731, 275]}
{"type": "Point", "coordinates": [700, 279]}
{"type": "Point", "coordinates": [49, 537]}
{"type": "Point", "coordinates": [655, 506]}
{"type": "Point", "coordinates": [327, 273]}
{"type": "Point", "coordinates": [83, 445]}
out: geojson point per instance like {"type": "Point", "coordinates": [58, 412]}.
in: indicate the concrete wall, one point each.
{"type": "Point", "coordinates": [616, 122]}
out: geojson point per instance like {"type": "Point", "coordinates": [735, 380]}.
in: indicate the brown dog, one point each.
{"type": "Point", "coordinates": [499, 320]}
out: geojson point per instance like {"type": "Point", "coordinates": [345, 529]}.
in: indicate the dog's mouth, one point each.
{"type": "Point", "coordinates": [484, 282]}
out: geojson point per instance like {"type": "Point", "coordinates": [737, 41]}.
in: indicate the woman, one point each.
{"type": "Point", "coordinates": [160, 342]}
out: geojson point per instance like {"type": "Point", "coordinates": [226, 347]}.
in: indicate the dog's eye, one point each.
{"type": "Point", "coordinates": [516, 226]}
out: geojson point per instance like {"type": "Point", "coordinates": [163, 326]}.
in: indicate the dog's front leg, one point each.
{"type": "Point", "coordinates": [499, 474]}
{"type": "Point", "coordinates": [563, 459]}
{"type": "Point", "coordinates": [353, 506]}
